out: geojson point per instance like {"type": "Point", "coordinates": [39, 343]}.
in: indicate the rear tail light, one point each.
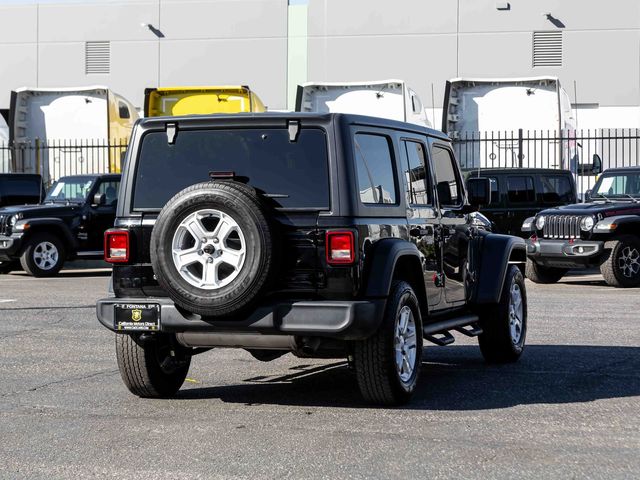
{"type": "Point", "coordinates": [116, 246]}
{"type": "Point", "coordinates": [340, 248]}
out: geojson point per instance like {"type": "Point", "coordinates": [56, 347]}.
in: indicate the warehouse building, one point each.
{"type": "Point", "coordinates": [273, 45]}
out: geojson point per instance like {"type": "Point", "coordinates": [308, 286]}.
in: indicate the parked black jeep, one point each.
{"type": "Point", "coordinates": [20, 189]}
{"type": "Point", "coordinates": [69, 223]}
{"type": "Point", "coordinates": [332, 236]}
{"type": "Point", "coordinates": [604, 231]}
{"type": "Point", "coordinates": [517, 194]}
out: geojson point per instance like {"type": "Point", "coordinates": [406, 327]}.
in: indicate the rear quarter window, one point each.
{"type": "Point", "coordinates": [374, 165]}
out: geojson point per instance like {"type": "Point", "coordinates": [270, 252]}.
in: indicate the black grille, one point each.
{"type": "Point", "coordinates": [562, 226]}
{"type": "Point", "coordinates": [4, 225]}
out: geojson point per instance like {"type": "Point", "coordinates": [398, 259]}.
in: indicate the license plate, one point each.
{"type": "Point", "coordinates": [137, 317]}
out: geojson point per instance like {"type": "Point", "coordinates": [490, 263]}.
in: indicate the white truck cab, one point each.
{"type": "Point", "coordinates": [391, 99]}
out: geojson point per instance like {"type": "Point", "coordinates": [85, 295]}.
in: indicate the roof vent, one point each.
{"type": "Point", "coordinates": [97, 59]}
{"type": "Point", "coordinates": [547, 49]}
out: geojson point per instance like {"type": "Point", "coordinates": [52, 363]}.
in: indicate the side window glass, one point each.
{"type": "Point", "coordinates": [556, 189]}
{"type": "Point", "coordinates": [123, 110]}
{"type": "Point", "coordinates": [495, 193]}
{"type": "Point", "coordinates": [417, 180]}
{"type": "Point", "coordinates": [376, 181]}
{"type": "Point", "coordinates": [110, 190]}
{"type": "Point", "coordinates": [447, 182]}
{"type": "Point", "coordinates": [520, 189]}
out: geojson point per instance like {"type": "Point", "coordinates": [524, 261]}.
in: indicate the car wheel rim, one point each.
{"type": "Point", "coordinates": [45, 255]}
{"type": "Point", "coordinates": [629, 262]}
{"type": "Point", "coordinates": [516, 312]}
{"type": "Point", "coordinates": [405, 343]}
{"type": "Point", "coordinates": [209, 249]}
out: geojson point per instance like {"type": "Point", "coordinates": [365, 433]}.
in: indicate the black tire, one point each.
{"type": "Point", "coordinates": [148, 369]}
{"type": "Point", "coordinates": [36, 245]}
{"type": "Point", "coordinates": [375, 358]}
{"type": "Point", "coordinates": [541, 274]}
{"type": "Point", "coordinates": [622, 266]}
{"type": "Point", "coordinates": [241, 203]}
{"type": "Point", "coordinates": [497, 342]}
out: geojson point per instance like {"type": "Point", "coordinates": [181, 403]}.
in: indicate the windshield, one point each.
{"type": "Point", "coordinates": [618, 185]}
{"type": "Point", "coordinates": [70, 189]}
{"type": "Point", "coordinates": [290, 174]}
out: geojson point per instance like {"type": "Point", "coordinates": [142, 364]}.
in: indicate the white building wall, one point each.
{"type": "Point", "coordinates": [424, 42]}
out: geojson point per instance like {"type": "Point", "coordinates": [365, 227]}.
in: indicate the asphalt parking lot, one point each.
{"type": "Point", "coordinates": [569, 409]}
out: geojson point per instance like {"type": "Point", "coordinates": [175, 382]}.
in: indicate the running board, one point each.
{"type": "Point", "coordinates": [439, 332]}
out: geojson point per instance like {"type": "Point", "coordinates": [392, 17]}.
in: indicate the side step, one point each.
{"type": "Point", "coordinates": [439, 332]}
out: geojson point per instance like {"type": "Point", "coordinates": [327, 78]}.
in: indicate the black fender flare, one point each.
{"type": "Point", "coordinates": [496, 251]}
{"type": "Point", "coordinates": [384, 257]}
{"type": "Point", "coordinates": [58, 224]}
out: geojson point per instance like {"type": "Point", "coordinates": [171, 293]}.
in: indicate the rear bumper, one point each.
{"type": "Point", "coordinates": [352, 320]}
{"type": "Point", "coordinates": [565, 254]}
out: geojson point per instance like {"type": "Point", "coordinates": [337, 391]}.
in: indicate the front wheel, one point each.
{"type": "Point", "coordinates": [541, 274]}
{"type": "Point", "coordinates": [504, 325]}
{"type": "Point", "coordinates": [43, 255]}
{"type": "Point", "coordinates": [388, 363]}
{"type": "Point", "coordinates": [622, 268]}
{"type": "Point", "coordinates": [153, 368]}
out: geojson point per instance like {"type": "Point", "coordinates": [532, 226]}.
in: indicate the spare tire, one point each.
{"type": "Point", "coordinates": [212, 248]}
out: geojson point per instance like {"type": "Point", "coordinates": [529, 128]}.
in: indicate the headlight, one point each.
{"type": "Point", "coordinates": [540, 222]}
{"type": "Point", "coordinates": [587, 223]}
{"type": "Point", "coordinates": [13, 220]}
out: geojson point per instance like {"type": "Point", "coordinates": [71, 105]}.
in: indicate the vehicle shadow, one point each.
{"type": "Point", "coordinates": [92, 272]}
{"type": "Point", "coordinates": [456, 378]}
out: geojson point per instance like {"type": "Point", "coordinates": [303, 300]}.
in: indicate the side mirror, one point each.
{"type": "Point", "coordinates": [99, 199]}
{"type": "Point", "coordinates": [597, 164]}
{"type": "Point", "coordinates": [479, 191]}
{"type": "Point", "coordinates": [593, 168]}
{"type": "Point", "coordinates": [587, 195]}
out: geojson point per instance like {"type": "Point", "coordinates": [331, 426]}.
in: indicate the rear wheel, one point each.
{"type": "Point", "coordinates": [43, 255]}
{"type": "Point", "coordinates": [541, 274]}
{"type": "Point", "coordinates": [151, 369]}
{"type": "Point", "coordinates": [388, 363]}
{"type": "Point", "coordinates": [622, 267]}
{"type": "Point", "coordinates": [504, 325]}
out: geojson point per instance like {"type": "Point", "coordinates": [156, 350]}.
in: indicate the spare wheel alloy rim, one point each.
{"type": "Point", "coordinates": [45, 255]}
{"type": "Point", "coordinates": [208, 249]}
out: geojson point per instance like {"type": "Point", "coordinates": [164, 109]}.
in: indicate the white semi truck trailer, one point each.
{"type": "Point", "coordinates": [391, 99]}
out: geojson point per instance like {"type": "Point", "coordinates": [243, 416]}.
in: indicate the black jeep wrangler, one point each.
{"type": "Point", "coordinates": [69, 223]}
{"type": "Point", "coordinates": [604, 231]}
{"type": "Point", "coordinates": [330, 236]}
{"type": "Point", "coordinates": [520, 193]}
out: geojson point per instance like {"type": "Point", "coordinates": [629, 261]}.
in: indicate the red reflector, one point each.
{"type": "Point", "coordinates": [340, 248]}
{"type": "Point", "coordinates": [116, 246]}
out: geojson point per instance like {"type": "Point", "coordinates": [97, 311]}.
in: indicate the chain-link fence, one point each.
{"type": "Point", "coordinates": [56, 158]}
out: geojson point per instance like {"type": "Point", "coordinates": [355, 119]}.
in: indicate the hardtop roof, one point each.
{"type": "Point", "coordinates": [252, 117]}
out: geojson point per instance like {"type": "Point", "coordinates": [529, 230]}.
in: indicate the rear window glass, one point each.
{"type": "Point", "coordinates": [557, 189]}
{"type": "Point", "coordinates": [291, 174]}
{"type": "Point", "coordinates": [520, 189]}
